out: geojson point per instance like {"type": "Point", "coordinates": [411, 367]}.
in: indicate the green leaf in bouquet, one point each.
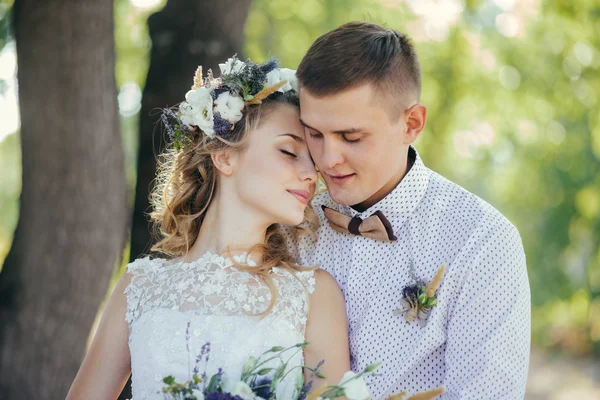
{"type": "Point", "coordinates": [279, 372]}
{"type": "Point", "coordinates": [196, 379]}
{"type": "Point", "coordinates": [264, 371]}
{"type": "Point", "coordinates": [333, 392]}
{"type": "Point", "coordinates": [169, 380]}
{"type": "Point", "coordinates": [372, 367]}
{"type": "Point", "coordinates": [278, 375]}
{"type": "Point", "coordinates": [299, 379]}
{"type": "Point", "coordinates": [275, 349]}
{"type": "Point", "coordinates": [248, 367]}
{"type": "Point", "coordinates": [214, 384]}
{"type": "Point", "coordinates": [422, 298]}
{"type": "Point", "coordinates": [320, 374]}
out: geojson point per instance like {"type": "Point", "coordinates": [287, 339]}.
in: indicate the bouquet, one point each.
{"type": "Point", "coordinates": [259, 380]}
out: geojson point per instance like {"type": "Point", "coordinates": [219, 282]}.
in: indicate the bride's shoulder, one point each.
{"type": "Point", "coordinates": [144, 264]}
{"type": "Point", "coordinates": [324, 281]}
{"type": "Point", "coordinates": [316, 279]}
{"type": "Point", "coordinates": [325, 288]}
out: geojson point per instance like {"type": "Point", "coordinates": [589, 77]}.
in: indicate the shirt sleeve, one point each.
{"type": "Point", "coordinates": [489, 327]}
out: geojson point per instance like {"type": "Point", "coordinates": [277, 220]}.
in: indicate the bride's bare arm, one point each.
{"type": "Point", "coordinates": [107, 365]}
{"type": "Point", "coordinates": [327, 331]}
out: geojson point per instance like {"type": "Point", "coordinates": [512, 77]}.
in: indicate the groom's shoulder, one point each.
{"type": "Point", "coordinates": [475, 226]}
{"type": "Point", "coordinates": [458, 203]}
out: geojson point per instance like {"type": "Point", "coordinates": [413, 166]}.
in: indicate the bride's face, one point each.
{"type": "Point", "coordinates": [275, 174]}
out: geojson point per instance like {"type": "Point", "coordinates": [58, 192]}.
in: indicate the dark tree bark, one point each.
{"type": "Point", "coordinates": [184, 34]}
{"type": "Point", "coordinates": [73, 205]}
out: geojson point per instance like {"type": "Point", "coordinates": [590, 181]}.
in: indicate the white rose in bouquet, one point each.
{"type": "Point", "coordinates": [355, 387]}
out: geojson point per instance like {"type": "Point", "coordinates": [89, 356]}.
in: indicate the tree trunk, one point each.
{"type": "Point", "coordinates": [184, 34]}
{"type": "Point", "coordinates": [73, 205]}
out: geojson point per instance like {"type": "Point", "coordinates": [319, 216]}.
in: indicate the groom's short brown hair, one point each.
{"type": "Point", "coordinates": [357, 53]}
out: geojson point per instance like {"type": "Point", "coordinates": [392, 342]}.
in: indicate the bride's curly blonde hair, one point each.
{"type": "Point", "coordinates": [187, 181]}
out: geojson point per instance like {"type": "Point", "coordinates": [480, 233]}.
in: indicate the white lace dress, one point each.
{"type": "Point", "coordinates": [208, 301]}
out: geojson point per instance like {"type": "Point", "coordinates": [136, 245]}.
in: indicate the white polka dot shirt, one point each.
{"type": "Point", "coordinates": [476, 339]}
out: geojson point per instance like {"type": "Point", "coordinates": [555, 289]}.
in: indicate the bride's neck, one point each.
{"type": "Point", "coordinates": [228, 225]}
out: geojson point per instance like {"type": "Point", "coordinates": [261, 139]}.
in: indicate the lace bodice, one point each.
{"type": "Point", "coordinates": [173, 306]}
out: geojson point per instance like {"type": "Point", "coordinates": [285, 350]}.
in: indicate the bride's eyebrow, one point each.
{"type": "Point", "coordinates": [295, 137]}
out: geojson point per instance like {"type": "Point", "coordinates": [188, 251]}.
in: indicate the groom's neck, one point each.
{"type": "Point", "coordinates": [387, 188]}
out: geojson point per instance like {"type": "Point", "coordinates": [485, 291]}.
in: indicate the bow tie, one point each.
{"type": "Point", "coordinates": [376, 226]}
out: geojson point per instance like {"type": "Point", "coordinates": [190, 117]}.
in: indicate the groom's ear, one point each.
{"type": "Point", "coordinates": [415, 118]}
{"type": "Point", "coordinates": [225, 161]}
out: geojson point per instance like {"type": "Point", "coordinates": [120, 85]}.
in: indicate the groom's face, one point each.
{"type": "Point", "coordinates": [355, 143]}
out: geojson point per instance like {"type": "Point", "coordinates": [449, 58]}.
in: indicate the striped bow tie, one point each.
{"type": "Point", "coordinates": [376, 226]}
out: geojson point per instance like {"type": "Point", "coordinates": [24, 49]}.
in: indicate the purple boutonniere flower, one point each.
{"type": "Point", "coordinates": [418, 299]}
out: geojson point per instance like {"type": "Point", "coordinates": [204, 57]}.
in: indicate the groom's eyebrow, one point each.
{"type": "Point", "coordinates": [295, 137]}
{"type": "Point", "coordinates": [308, 126]}
{"type": "Point", "coordinates": [348, 131]}
{"type": "Point", "coordinates": [339, 131]}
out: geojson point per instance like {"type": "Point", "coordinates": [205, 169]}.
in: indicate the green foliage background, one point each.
{"type": "Point", "coordinates": [514, 119]}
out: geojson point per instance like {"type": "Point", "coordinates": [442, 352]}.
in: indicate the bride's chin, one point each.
{"type": "Point", "coordinates": [292, 220]}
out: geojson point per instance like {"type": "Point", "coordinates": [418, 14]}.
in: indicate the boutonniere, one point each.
{"type": "Point", "coordinates": [418, 299]}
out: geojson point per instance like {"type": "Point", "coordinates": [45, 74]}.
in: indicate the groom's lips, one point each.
{"type": "Point", "coordinates": [340, 179]}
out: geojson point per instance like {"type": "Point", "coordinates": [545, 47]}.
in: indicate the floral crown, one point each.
{"type": "Point", "coordinates": [215, 105]}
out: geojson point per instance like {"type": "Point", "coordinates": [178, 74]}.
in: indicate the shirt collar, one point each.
{"type": "Point", "coordinates": [403, 199]}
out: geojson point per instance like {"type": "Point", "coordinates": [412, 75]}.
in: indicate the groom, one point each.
{"type": "Point", "coordinates": [359, 93]}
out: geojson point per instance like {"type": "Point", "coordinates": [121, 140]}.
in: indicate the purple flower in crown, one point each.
{"type": "Point", "coordinates": [175, 128]}
{"type": "Point", "coordinates": [222, 127]}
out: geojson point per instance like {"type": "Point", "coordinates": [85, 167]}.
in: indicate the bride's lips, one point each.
{"type": "Point", "coordinates": [302, 195]}
{"type": "Point", "coordinates": [340, 179]}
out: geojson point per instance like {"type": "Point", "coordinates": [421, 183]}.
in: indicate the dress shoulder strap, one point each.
{"type": "Point", "coordinates": [142, 273]}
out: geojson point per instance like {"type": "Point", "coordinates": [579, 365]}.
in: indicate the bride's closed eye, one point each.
{"type": "Point", "coordinates": [288, 153]}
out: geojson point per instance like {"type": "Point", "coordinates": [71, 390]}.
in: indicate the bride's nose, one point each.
{"type": "Point", "coordinates": [308, 172]}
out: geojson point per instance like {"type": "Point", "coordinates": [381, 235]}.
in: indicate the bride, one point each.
{"type": "Point", "coordinates": [238, 166]}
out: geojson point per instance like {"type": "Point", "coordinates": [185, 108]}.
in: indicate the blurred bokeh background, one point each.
{"type": "Point", "coordinates": [512, 90]}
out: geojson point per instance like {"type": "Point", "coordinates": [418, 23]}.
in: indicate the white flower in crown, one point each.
{"type": "Point", "coordinates": [197, 109]}
{"type": "Point", "coordinates": [231, 66]}
{"type": "Point", "coordinates": [229, 107]}
{"type": "Point", "coordinates": [186, 113]}
{"type": "Point", "coordinates": [283, 74]}
{"type": "Point", "coordinates": [288, 75]}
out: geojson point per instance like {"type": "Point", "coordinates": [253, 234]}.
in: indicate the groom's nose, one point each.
{"type": "Point", "coordinates": [332, 155]}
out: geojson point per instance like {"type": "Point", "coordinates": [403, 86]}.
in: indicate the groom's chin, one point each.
{"type": "Point", "coordinates": [344, 197]}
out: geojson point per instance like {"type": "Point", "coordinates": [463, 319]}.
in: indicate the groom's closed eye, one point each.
{"type": "Point", "coordinates": [314, 134]}
{"type": "Point", "coordinates": [352, 138]}
{"type": "Point", "coordinates": [347, 137]}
